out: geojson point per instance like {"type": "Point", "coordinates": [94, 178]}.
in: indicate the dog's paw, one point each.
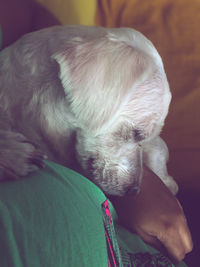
{"type": "Point", "coordinates": [18, 156]}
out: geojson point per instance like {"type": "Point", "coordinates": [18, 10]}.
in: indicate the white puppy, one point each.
{"type": "Point", "coordinates": [90, 98]}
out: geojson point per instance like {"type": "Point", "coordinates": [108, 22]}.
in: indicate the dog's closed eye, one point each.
{"type": "Point", "coordinates": [138, 135]}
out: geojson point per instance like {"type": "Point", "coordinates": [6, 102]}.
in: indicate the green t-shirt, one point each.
{"type": "Point", "coordinates": [57, 218]}
{"type": "Point", "coordinates": [51, 219]}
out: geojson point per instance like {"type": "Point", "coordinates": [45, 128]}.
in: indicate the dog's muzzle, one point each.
{"type": "Point", "coordinates": [133, 191]}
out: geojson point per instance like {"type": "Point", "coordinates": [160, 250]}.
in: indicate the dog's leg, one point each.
{"type": "Point", "coordinates": [155, 156]}
{"type": "Point", "coordinates": [18, 156]}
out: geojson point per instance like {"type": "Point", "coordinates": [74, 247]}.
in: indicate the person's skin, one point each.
{"type": "Point", "coordinates": [154, 213]}
{"type": "Point", "coordinates": [157, 216]}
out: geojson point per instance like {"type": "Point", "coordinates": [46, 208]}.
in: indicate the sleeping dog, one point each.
{"type": "Point", "coordinates": [90, 98]}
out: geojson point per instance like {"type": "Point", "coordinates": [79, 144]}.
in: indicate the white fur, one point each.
{"type": "Point", "coordinates": [91, 98]}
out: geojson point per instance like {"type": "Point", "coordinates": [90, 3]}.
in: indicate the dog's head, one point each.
{"type": "Point", "coordinates": [118, 92]}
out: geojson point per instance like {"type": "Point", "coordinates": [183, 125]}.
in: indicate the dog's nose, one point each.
{"type": "Point", "coordinates": [133, 191]}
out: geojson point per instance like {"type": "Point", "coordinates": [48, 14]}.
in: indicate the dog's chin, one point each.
{"type": "Point", "coordinates": [131, 191]}
{"type": "Point", "coordinates": [117, 178]}
{"type": "Point", "coordinates": [114, 183]}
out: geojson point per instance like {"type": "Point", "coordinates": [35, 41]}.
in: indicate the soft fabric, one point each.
{"type": "Point", "coordinates": [173, 27]}
{"type": "Point", "coordinates": [72, 12]}
{"type": "Point", "coordinates": [56, 217]}
{"type": "Point", "coordinates": [52, 218]}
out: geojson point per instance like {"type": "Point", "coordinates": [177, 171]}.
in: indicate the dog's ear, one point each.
{"type": "Point", "coordinates": [99, 75]}
{"type": "Point", "coordinates": [148, 106]}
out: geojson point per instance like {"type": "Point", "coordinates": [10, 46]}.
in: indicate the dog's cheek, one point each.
{"type": "Point", "coordinates": [106, 178]}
